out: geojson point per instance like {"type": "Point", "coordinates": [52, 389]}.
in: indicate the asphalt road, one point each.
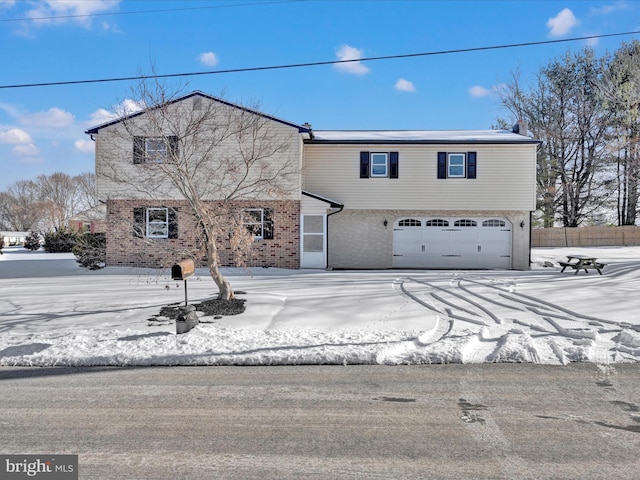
{"type": "Point", "coordinates": [492, 421]}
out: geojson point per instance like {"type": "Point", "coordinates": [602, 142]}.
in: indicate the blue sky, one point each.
{"type": "Point", "coordinates": [42, 128]}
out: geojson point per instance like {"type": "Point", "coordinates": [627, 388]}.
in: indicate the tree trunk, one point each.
{"type": "Point", "coordinates": [225, 292]}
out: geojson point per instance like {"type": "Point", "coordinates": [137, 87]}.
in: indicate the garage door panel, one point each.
{"type": "Point", "coordinates": [476, 243]}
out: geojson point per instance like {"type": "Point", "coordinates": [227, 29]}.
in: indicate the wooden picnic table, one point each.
{"type": "Point", "coordinates": [582, 262]}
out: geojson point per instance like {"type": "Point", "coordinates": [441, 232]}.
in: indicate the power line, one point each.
{"type": "Point", "coordinates": [314, 64]}
{"type": "Point", "coordinates": [138, 12]}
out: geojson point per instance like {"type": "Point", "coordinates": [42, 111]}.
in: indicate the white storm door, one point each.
{"type": "Point", "coordinates": [314, 245]}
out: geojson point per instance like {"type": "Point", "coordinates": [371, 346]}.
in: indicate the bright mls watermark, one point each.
{"type": "Point", "coordinates": [48, 467]}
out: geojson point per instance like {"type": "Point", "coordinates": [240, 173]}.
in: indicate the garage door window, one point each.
{"type": "Point", "coordinates": [494, 222]}
{"type": "Point", "coordinates": [409, 222]}
{"type": "Point", "coordinates": [438, 222]}
{"type": "Point", "coordinates": [465, 223]}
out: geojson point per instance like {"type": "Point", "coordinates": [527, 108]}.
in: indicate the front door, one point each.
{"type": "Point", "coordinates": [314, 241]}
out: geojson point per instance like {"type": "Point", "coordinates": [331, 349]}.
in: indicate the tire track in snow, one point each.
{"type": "Point", "coordinates": [537, 331]}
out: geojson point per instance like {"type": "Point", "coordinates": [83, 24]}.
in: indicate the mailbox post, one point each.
{"type": "Point", "coordinates": [187, 318]}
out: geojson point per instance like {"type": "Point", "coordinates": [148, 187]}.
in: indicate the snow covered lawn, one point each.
{"type": "Point", "coordinates": [54, 312]}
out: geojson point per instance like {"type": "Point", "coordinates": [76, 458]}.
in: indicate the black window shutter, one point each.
{"type": "Point", "coordinates": [173, 222]}
{"type": "Point", "coordinates": [138, 150]}
{"type": "Point", "coordinates": [442, 164]}
{"type": "Point", "coordinates": [471, 164]}
{"type": "Point", "coordinates": [138, 222]}
{"type": "Point", "coordinates": [173, 148]}
{"type": "Point", "coordinates": [364, 164]}
{"type": "Point", "coordinates": [393, 165]}
{"type": "Point", "coordinates": [267, 224]}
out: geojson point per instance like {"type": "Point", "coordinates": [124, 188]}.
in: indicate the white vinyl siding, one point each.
{"type": "Point", "coordinates": [505, 178]}
{"type": "Point", "coordinates": [114, 157]}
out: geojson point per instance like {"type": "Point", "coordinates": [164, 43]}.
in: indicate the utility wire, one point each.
{"type": "Point", "coordinates": [137, 12]}
{"type": "Point", "coordinates": [314, 64]}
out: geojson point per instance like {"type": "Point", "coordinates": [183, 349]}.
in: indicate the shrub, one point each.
{"type": "Point", "coordinates": [33, 241]}
{"type": "Point", "coordinates": [91, 250]}
{"type": "Point", "coordinates": [60, 241]}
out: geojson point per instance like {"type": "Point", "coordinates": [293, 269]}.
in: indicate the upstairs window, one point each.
{"type": "Point", "coordinates": [155, 149]}
{"type": "Point", "coordinates": [457, 165]}
{"type": "Point", "coordinates": [379, 164]}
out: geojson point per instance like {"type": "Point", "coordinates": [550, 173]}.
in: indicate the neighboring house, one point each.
{"type": "Point", "coordinates": [362, 199]}
{"type": "Point", "coordinates": [92, 220]}
{"type": "Point", "coordinates": [13, 238]}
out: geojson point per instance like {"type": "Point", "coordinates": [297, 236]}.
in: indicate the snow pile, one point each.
{"type": "Point", "coordinates": [56, 313]}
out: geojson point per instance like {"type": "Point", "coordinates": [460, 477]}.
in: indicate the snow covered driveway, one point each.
{"type": "Point", "coordinates": [56, 313]}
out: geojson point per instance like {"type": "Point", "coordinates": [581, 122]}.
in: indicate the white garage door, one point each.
{"type": "Point", "coordinates": [472, 242]}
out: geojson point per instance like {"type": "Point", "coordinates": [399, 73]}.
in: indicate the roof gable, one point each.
{"type": "Point", "coordinates": [301, 128]}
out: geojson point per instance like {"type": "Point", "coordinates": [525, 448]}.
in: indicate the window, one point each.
{"type": "Point", "coordinates": [409, 222]}
{"type": "Point", "coordinates": [437, 222]}
{"type": "Point", "coordinates": [258, 221]}
{"type": "Point", "coordinates": [379, 164]}
{"type": "Point", "coordinates": [494, 222]}
{"type": "Point", "coordinates": [155, 149]}
{"type": "Point", "coordinates": [465, 223]}
{"type": "Point", "coordinates": [457, 164]}
{"type": "Point", "coordinates": [155, 222]}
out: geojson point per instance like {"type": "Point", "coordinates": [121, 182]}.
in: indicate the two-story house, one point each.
{"type": "Point", "coordinates": [355, 199]}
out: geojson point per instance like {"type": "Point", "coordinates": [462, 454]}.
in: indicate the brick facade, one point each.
{"type": "Point", "coordinates": [124, 248]}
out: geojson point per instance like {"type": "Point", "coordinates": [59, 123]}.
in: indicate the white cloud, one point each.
{"type": "Point", "coordinates": [85, 146]}
{"type": "Point", "coordinates": [57, 12]}
{"type": "Point", "coordinates": [101, 116]}
{"type": "Point", "coordinates": [52, 118]}
{"type": "Point", "coordinates": [27, 153]}
{"type": "Point", "coordinates": [350, 55]}
{"type": "Point", "coordinates": [15, 136]}
{"type": "Point", "coordinates": [611, 8]}
{"type": "Point", "coordinates": [124, 108]}
{"type": "Point", "coordinates": [562, 23]}
{"type": "Point", "coordinates": [7, 3]}
{"type": "Point", "coordinates": [403, 85]}
{"type": "Point", "coordinates": [209, 59]}
{"type": "Point", "coordinates": [477, 91]}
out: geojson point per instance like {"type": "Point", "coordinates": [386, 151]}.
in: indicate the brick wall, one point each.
{"type": "Point", "coordinates": [124, 248]}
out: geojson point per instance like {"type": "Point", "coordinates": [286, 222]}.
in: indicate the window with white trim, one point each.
{"type": "Point", "coordinates": [259, 222]}
{"type": "Point", "coordinates": [379, 164]}
{"type": "Point", "coordinates": [456, 165]}
{"type": "Point", "coordinates": [155, 149]}
{"type": "Point", "coordinates": [157, 222]}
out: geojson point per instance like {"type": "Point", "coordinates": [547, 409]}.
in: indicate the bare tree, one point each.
{"type": "Point", "coordinates": [565, 110]}
{"type": "Point", "coordinates": [20, 206]}
{"type": "Point", "coordinates": [621, 90]}
{"type": "Point", "coordinates": [45, 203]}
{"type": "Point", "coordinates": [208, 156]}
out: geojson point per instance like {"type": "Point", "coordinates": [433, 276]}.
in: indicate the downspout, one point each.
{"type": "Point", "coordinates": [340, 208]}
